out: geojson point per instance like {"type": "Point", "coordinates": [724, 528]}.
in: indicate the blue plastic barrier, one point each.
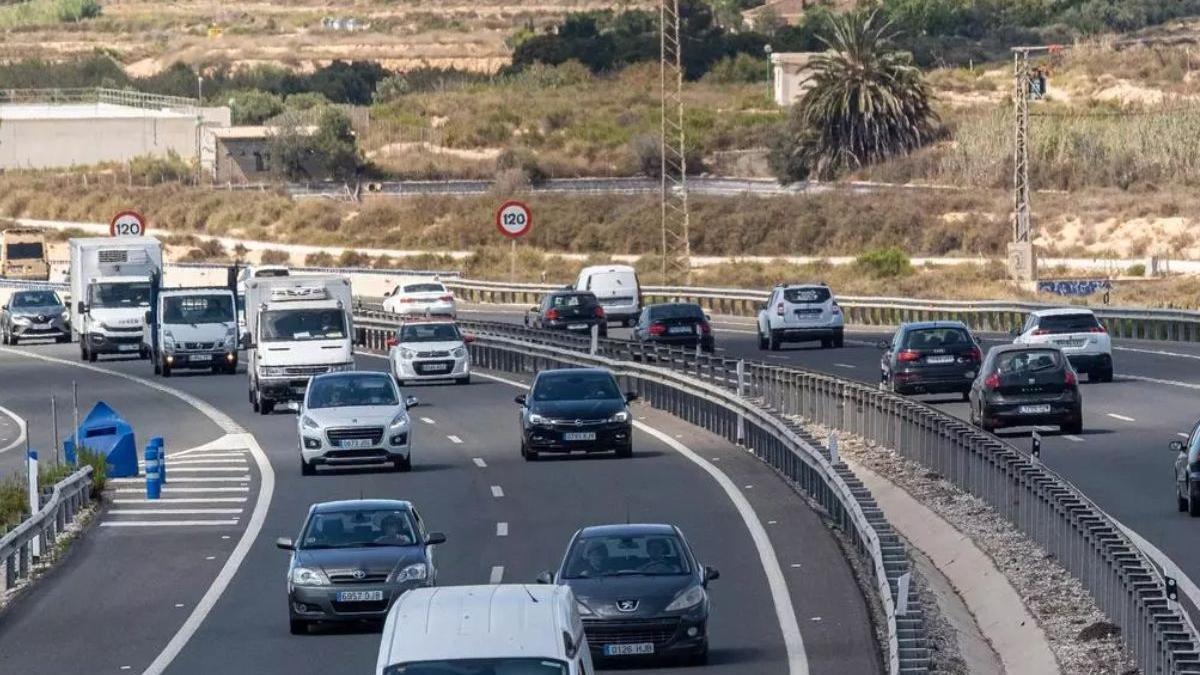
{"type": "Point", "coordinates": [106, 433]}
{"type": "Point", "coordinates": [153, 477]}
{"type": "Point", "coordinates": [69, 451]}
{"type": "Point", "coordinates": [157, 444]}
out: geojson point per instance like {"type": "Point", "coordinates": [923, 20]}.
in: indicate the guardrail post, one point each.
{"type": "Point", "coordinates": [741, 392]}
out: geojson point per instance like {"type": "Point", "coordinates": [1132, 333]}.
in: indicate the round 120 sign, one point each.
{"type": "Point", "coordinates": [127, 224]}
{"type": "Point", "coordinates": [514, 219]}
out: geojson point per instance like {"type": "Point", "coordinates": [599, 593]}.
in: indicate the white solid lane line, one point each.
{"type": "Point", "coordinates": [1069, 437]}
{"type": "Point", "coordinates": [455, 439]}
{"type": "Point", "coordinates": [20, 421]}
{"type": "Point", "coordinates": [1123, 418]}
{"type": "Point", "coordinates": [497, 491]}
{"type": "Point", "coordinates": [480, 463]}
{"type": "Point", "coordinates": [177, 512]}
{"type": "Point", "coordinates": [501, 529]}
{"type": "Point", "coordinates": [172, 489]}
{"type": "Point", "coordinates": [497, 575]}
{"type": "Point", "coordinates": [167, 523]}
{"type": "Point", "coordinates": [207, 461]}
{"type": "Point", "coordinates": [142, 479]}
{"type": "Point", "coordinates": [205, 469]}
{"type": "Point", "coordinates": [184, 500]}
{"type": "Point", "coordinates": [845, 365]}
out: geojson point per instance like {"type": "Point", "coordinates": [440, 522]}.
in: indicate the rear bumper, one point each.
{"type": "Point", "coordinates": [1009, 415]}
{"type": "Point", "coordinates": [569, 325]}
{"type": "Point", "coordinates": [706, 341]}
{"type": "Point", "coordinates": [806, 334]}
{"type": "Point", "coordinates": [432, 309]}
{"type": "Point", "coordinates": [942, 382]}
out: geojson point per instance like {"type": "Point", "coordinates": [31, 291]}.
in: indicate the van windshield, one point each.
{"type": "Point", "coordinates": [197, 309]}
{"type": "Point", "coordinates": [480, 667]}
{"type": "Point", "coordinates": [284, 325]}
{"type": "Point", "coordinates": [109, 295]}
{"type": "Point", "coordinates": [25, 251]}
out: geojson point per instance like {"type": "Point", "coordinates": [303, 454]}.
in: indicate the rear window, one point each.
{"type": "Point", "coordinates": [677, 312]}
{"type": "Point", "coordinates": [1028, 361]}
{"type": "Point", "coordinates": [1067, 323]}
{"type": "Point", "coordinates": [806, 295]}
{"type": "Point", "coordinates": [575, 300]}
{"type": "Point", "coordinates": [936, 338]}
{"type": "Point", "coordinates": [424, 288]}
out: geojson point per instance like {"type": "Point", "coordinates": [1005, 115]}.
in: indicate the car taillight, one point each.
{"type": "Point", "coordinates": [1098, 329]}
{"type": "Point", "coordinates": [392, 342]}
{"type": "Point", "coordinates": [704, 328]}
{"type": "Point", "coordinates": [1071, 380]}
{"type": "Point", "coordinates": [779, 309]}
{"type": "Point", "coordinates": [1040, 331]}
{"type": "Point", "coordinates": [836, 309]}
{"type": "Point", "coordinates": [552, 315]}
{"type": "Point", "coordinates": [658, 329]}
{"type": "Point", "coordinates": [992, 381]}
{"type": "Point", "coordinates": [599, 312]}
{"type": "Point", "coordinates": [908, 355]}
{"type": "Point", "coordinates": [976, 355]}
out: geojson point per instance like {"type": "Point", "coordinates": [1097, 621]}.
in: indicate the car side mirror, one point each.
{"type": "Point", "coordinates": [388, 294]}
{"type": "Point", "coordinates": [435, 538]}
{"type": "Point", "coordinates": [711, 574]}
{"type": "Point", "coordinates": [411, 402]}
{"type": "Point", "coordinates": [884, 345]}
{"type": "Point", "coordinates": [392, 342]}
{"type": "Point", "coordinates": [285, 544]}
{"type": "Point", "coordinates": [545, 578]}
{"type": "Point", "coordinates": [82, 307]}
{"type": "Point", "coordinates": [630, 397]}
{"type": "Point", "coordinates": [1177, 446]}
{"type": "Point", "coordinates": [707, 316]}
{"type": "Point", "coordinates": [520, 398]}
{"type": "Point", "coordinates": [148, 317]}
{"type": "Point", "coordinates": [535, 308]}
{"type": "Point", "coordinates": [468, 339]}
{"type": "Point", "coordinates": [1015, 332]}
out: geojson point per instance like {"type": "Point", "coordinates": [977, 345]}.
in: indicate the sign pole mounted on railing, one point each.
{"type": "Point", "coordinates": [514, 220]}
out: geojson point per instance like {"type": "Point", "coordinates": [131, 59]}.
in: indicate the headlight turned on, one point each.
{"type": "Point", "coordinates": [621, 416]}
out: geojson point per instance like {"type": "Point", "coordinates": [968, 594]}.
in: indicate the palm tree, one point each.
{"type": "Point", "coordinates": [867, 102]}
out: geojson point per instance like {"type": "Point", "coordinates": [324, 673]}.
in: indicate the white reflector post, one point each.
{"type": "Point", "coordinates": [35, 505]}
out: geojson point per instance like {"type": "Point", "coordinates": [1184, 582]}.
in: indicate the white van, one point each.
{"type": "Point", "coordinates": [501, 629]}
{"type": "Point", "coordinates": [617, 289]}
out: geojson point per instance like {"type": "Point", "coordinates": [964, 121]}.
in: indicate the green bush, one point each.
{"type": "Point", "coordinates": [1136, 270]}
{"type": "Point", "coordinates": [147, 170]}
{"type": "Point", "coordinates": [883, 263]}
{"type": "Point", "coordinates": [254, 107]}
{"type": "Point", "coordinates": [739, 69]}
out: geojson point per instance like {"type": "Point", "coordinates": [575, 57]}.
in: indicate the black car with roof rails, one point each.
{"type": "Point", "coordinates": [640, 591]}
{"type": "Point", "coordinates": [1024, 386]}
{"type": "Point", "coordinates": [575, 410]}
{"type": "Point", "coordinates": [675, 323]}
{"type": "Point", "coordinates": [930, 357]}
{"type": "Point", "coordinates": [570, 310]}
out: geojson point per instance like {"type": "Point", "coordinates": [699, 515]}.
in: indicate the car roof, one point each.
{"type": "Point", "coordinates": [571, 292]}
{"type": "Point", "coordinates": [1060, 311]}
{"type": "Point", "coordinates": [428, 319]}
{"type": "Point", "coordinates": [28, 291]}
{"type": "Point", "coordinates": [561, 371]}
{"type": "Point", "coordinates": [674, 304]}
{"type": "Point", "coordinates": [1001, 349]}
{"type": "Point", "coordinates": [934, 324]}
{"type": "Point", "coordinates": [818, 284]}
{"type": "Point", "coordinates": [492, 621]}
{"type": "Point", "coordinates": [598, 269]}
{"type": "Point", "coordinates": [361, 505]}
{"type": "Point", "coordinates": [628, 530]}
{"type": "Point", "coordinates": [351, 373]}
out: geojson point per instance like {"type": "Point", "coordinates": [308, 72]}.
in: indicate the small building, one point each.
{"type": "Point", "coordinates": [242, 155]}
{"type": "Point", "coordinates": [789, 71]}
{"type": "Point", "coordinates": [790, 12]}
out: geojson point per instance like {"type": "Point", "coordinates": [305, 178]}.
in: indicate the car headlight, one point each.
{"type": "Point", "coordinates": [621, 416]}
{"type": "Point", "coordinates": [535, 418]}
{"type": "Point", "coordinates": [459, 352]}
{"type": "Point", "coordinates": [309, 422]}
{"type": "Point", "coordinates": [406, 353]}
{"type": "Point", "coordinates": [413, 572]}
{"type": "Point", "coordinates": [687, 598]}
{"type": "Point", "coordinates": [65, 316]}
{"type": "Point", "coordinates": [23, 319]}
{"type": "Point", "coordinates": [584, 610]}
{"type": "Point", "coordinates": [400, 420]}
{"type": "Point", "coordinates": [307, 576]}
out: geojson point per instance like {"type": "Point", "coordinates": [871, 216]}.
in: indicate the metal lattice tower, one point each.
{"type": "Point", "coordinates": [1021, 208]}
{"type": "Point", "coordinates": [676, 247]}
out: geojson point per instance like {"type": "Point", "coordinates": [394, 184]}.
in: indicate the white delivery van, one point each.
{"type": "Point", "coordinates": [110, 293]}
{"type": "Point", "coordinates": [485, 630]}
{"type": "Point", "coordinates": [193, 328]}
{"type": "Point", "coordinates": [252, 272]}
{"type": "Point", "coordinates": [298, 327]}
{"type": "Point", "coordinates": [617, 289]}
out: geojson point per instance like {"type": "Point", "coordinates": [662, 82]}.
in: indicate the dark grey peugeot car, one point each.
{"type": "Point", "coordinates": [639, 590]}
{"type": "Point", "coordinates": [354, 559]}
{"type": "Point", "coordinates": [575, 410]}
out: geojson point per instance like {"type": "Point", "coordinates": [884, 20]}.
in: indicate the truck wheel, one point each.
{"type": "Point", "coordinates": [253, 401]}
{"type": "Point", "coordinates": [773, 342]}
{"type": "Point", "coordinates": [63, 339]}
{"type": "Point", "coordinates": [92, 356]}
{"type": "Point", "coordinates": [14, 340]}
{"type": "Point", "coordinates": [265, 405]}
{"type": "Point", "coordinates": [82, 350]}
{"type": "Point", "coordinates": [4, 336]}
{"type": "Point", "coordinates": [166, 369]}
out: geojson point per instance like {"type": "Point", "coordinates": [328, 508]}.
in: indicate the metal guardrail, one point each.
{"type": "Point", "coordinates": [706, 393]}
{"type": "Point", "coordinates": [1048, 509]}
{"type": "Point", "coordinates": [125, 97]}
{"type": "Point", "coordinates": [70, 495]}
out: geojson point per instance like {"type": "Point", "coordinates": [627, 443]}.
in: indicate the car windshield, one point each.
{"type": "Point", "coordinates": [197, 309]}
{"type": "Point", "coordinates": [351, 390]}
{"type": "Point", "coordinates": [806, 295]}
{"type": "Point", "coordinates": [680, 311]}
{"type": "Point", "coordinates": [429, 332]}
{"type": "Point", "coordinates": [258, 274]}
{"type": "Point", "coordinates": [575, 387]}
{"type": "Point", "coordinates": [480, 667]}
{"type": "Point", "coordinates": [358, 529]}
{"type": "Point", "coordinates": [624, 555]}
{"type": "Point", "coordinates": [1067, 323]}
{"type": "Point", "coordinates": [25, 250]}
{"type": "Point", "coordinates": [1028, 361]}
{"type": "Point", "coordinates": [283, 325]}
{"type": "Point", "coordinates": [424, 288]}
{"type": "Point", "coordinates": [936, 338]}
{"type": "Point", "coordinates": [36, 299]}
{"type": "Point", "coordinates": [113, 295]}
{"type": "Point", "coordinates": [573, 300]}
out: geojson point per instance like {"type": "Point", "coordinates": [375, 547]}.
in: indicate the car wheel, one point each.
{"type": "Point", "coordinates": [529, 454]}
{"type": "Point", "coordinates": [465, 379]}
{"type": "Point", "coordinates": [1106, 375]}
{"type": "Point", "coordinates": [1193, 501]}
{"type": "Point", "coordinates": [625, 452]}
{"type": "Point", "coordinates": [826, 343]}
{"type": "Point", "coordinates": [773, 342]}
{"type": "Point", "coordinates": [298, 626]}
{"type": "Point", "coordinates": [628, 323]}
{"type": "Point", "coordinates": [402, 464]}
{"type": "Point", "coordinates": [253, 401]}
{"type": "Point", "coordinates": [265, 405]}
{"type": "Point", "coordinates": [966, 395]}
{"type": "Point", "coordinates": [762, 342]}
{"type": "Point", "coordinates": [4, 337]}
{"type": "Point", "coordinates": [1074, 428]}
{"type": "Point", "coordinates": [1180, 501]}
{"type": "Point", "coordinates": [166, 369]}
{"type": "Point", "coordinates": [307, 468]}
{"type": "Point", "coordinates": [700, 658]}
{"type": "Point", "coordinates": [91, 356]}
{"type": "Point", "coordinates": [14, 340]}
{"type": "Point", "coordinates": [839, 340]}
{"type": "Point", "coordinates": [157, 366]}
{"type": "Point", "coordinates": [62, 339]}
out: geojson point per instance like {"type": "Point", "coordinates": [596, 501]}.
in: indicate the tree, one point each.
{"type": "Point", "coordinates": [868, 102]}
{"type": "Point", "coordinates": [335, 146]}
{"type": "Point", "coordinates": [291, 149]}
{"type": "Point", "coordinates": [253, 106]}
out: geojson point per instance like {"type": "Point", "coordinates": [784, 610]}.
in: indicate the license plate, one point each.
{"type": "Point", "coordinates": [41, 326]}
{"type": "Point", "coordinates": [435, 367]}
{"type": "Point", "coordinates": [355, 443]}
{"type": "Point", "coordinates": [629, 650]}
{"type": "Point", "coordinates": [1068, 343]}
{"type": "Point", "coordinates": [939, 359]}
{"type": "Point", "coordinates": [579, 436]}
{"type": "Point", "coordinates": [576, 326]}
{"type": "Point", "coordinates": [359, 596]}
{"type": "Point", "coordinates": [681, 330]}
{"type": "Point", "coordinates": [127, 348]}
{"type": "Point", "coordinates": [1034, 409]}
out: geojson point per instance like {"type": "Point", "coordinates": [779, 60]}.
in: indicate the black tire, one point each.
{"type": "Point", "coordinates": [1193, 502]}
{"type": "Point", "coordinates": [265, 405]}
{"type": "Point", "coordinates": [628, 323]}
{"type": "Point", "coordinates": [143, 353]}
{"type": "Point", "coordinates": [231, 369]}
{"type": "Point", "coordinates": [14, 340]}
{"type": "Point", "coordinates": [983, 423]}
{"type": "Point", "coordinates": [762, 342]}
{"type": "Point", "coordinates": [62, 339]}
{"type": "Point", "coordinates": [82, 349]}
{"type": "Point", "coordinates": [773, 342]}
{"type": "Point", "coordinates": [466, 379]}
{"type": "Point", "coordinates": [528, 454]}
{"type": "Point", "coordinates": [1075, 428]}
{"type": "Point", "coordinates": [3, 337]}
{"type": "Point", "coordinates": [253, 401]}
{"type": "Point", "coordinates": [1106, 375]}
{"type": "Point", "coordinates": [625, 452]}
{"type": "Point", "coordinates": [826, 343]}
{"type": "Point", "coordinates": [966, 395]}
{"type": "Point", "coordinates": [166, 369]}
{"type": "Point", "coordinates": [402, 464]}
{"type": "Point", "coordinates": [92, 356]}
{"type": "Point", "coordinates": [307, 468]}
{"type": "Point", "coordinates": [839, 340]}
{"type": "Point", "coordinates": [157, 366]}
{"type": "Point", "coordinates": [298, 626]}
{"type": "Point", "coordinates": [1180, 501]}
{"type": "Point", "coordinates": [700, 658]}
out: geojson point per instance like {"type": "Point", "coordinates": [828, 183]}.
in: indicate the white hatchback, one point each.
{"type": "Point", "coordinates": [1078, 333]}
{"type": "Point", "coordinates": [420, 298]}
{"type": "Point", "coordinates": [429, 350]}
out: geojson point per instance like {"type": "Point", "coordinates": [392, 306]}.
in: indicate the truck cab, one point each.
{"type": "Point", "coordinates": [193, 328]}
{"type": "Point", "coordinates": [23, 255]}
{"type": "Point", "coordinates": [298, 327]}
{"type": "Point", "coordinates": [110, 293]}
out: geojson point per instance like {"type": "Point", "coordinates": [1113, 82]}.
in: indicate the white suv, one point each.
{"type": "Point", "coordinates": [1077, 332]}
{"type": "Point", "coordinates": [429, 350]}
{"type": "Point", "coordinates": [800, 313]}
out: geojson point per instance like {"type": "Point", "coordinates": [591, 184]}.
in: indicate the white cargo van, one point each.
{"type": "Point", "coordinates": [110, 293]}
{"type": "Point", "coordinates": [192, 328]}
{"type": "Point", "coordinates": [617, 289]}
{"type": "Point", "coordinates": [485, 630]}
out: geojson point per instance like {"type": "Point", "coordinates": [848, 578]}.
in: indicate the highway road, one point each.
{"type": "Point", "coordinates": [468, 480]}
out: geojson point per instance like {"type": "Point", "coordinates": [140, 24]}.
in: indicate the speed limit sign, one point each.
{"type": "Point", "coordinates": [514, 219]}
{"type": "Point", "coordinates": [127, 224]}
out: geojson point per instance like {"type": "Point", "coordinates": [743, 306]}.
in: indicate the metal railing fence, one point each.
{"type": "Point", "coordinates": [69, 496]}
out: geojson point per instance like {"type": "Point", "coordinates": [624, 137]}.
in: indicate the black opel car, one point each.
{"type": "Point", "coordinates": [575, 410]}
{"type": "Point", "coordinates": [640, 592]}
{"type": "Point", "coordinates": [675, 323]}
{"type": "Point", "coordinates": [1027, 385]}
{"type": "Point", "coordinates": [930, 357]}
{"type": "Point", "coordinates": [575, 311]}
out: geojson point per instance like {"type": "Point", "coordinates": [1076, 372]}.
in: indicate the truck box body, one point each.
{"type": "Point", "coordinates": [110, 292]}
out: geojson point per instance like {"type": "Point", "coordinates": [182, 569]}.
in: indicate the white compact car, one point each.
{"type": "Point", "coordinates": [800, 313]}
{"type": "Point", "coordinates": [430, 350]}
{"type": "Point", "coordinates": [420, 298]}
{"type": "Point", "coordinates": [1078, 333]}
{"type": "Point", "coordinates": [354, 418]}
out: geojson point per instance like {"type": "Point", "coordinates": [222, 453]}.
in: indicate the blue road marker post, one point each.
{"type": "Point", "coordinates": [153, 478]}
{"type": "Point", "coordinates": [157, 442]}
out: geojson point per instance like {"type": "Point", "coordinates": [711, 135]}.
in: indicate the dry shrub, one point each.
{"type": "Point", "coordinates": [275, 257]}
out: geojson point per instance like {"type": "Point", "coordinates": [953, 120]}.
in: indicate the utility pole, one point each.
{"type": "Point", "coordinates": [676, 247]}
{"type": "Point", "coordinates": [1022, 265]}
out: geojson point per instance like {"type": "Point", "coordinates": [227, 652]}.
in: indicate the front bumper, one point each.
{"type": "Point", "coordinates": [316, 448]}
{"type": "Point", "coordinates": [609, 436]}
{"type": "Point", "coordinates": [283, 388]}
{"type": "Point", "coordinates": [670, 636]}
{"type": "Point", "coordinates": [224, 357]}
{"type": "Point", "coordinates": [431, 369]}
{"type": "Point", "coordinates": [115, 343]}
{"type": "Point", "coordinates": [320, 603]}
{"type": "Point", "coordinates": [33, 331]}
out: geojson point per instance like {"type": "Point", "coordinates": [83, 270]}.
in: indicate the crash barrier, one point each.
{"type": "Point", "coordinates": [988, 315]}
{"type": "Point", "coordinates": [704, 393]}
{"type": "Point", "coordinates": [703, 389]}
{"type": "Point", "coordinates": [68, 497]}
{"type": "Point", "coordinates": [107, 434]}
{"type": "Point", "coordinates": [153, 472]}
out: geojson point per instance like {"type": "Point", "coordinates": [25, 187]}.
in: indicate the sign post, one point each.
{"type": "Point", "coordinates": [127, 224]}
{"type": "Point", "coordinates": [514, 220]}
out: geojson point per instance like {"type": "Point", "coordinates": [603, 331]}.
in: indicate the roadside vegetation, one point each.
{"type": "Point", "coordinates": [14, 493]}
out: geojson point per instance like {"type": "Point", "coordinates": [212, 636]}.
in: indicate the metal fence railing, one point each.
{"type": "Point", "coordinates": [124, 97]}
{"type": "Point", "coordinates": [69, 496]}
{"type": "Point", "coordinates": [1048, 509]}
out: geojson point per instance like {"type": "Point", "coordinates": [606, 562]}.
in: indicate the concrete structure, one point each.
{"type": "Point", "coordinates": [790, 12]}
{"type": "Point", "coordinates": [789, 69]}
{"type": "Point", "coordinates": [242, 155]}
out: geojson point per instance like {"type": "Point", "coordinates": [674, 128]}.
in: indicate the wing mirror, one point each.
{"type": "Point", "coordinates": [82, 307]}
{"type": "Point", "coordinates": [468, 339]}
{"type": "Point", "coordinates": [884, 345]}
{"type": "Point", "coordinates": [711, 574]}
{"type": "Point", "coordinates": [392, 341]}
{"type": "Point", "coordinates": [411, 402]}
{"type": "Point", "coordinates": [535, 309]}
{"type": "Point", "coordinates": [148, 317]}
{"type": "Point", "coordinates": [1015, 332]}
{"type": "Point", "coordinates": [1176, 446]}
{"type": "Point", "coordinates": [435, 538]}
{"type": "Point", "coordinates": [545, 578]}
{"type": "Point", "coordinates": [520, 398]}
{"type": "Point", "coordinates": [630, 397]}
{"type": "Point", "coordinates": [285, 544]}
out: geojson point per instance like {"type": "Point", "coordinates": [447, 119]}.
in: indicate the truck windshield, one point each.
{"type": "Point", "coordinates": [197, 309]}
{"type": "Point", "coordinates": [480, 667]}
{"type": "Point", "coordinates": [24, 250]}
{"type": "Point", "coordinates": [285, 325]}
{"type": "Point", "coordinates": [121, 294]}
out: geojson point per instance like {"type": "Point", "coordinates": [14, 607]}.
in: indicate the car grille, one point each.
{"type": "Point", "coordinates": [422, 368]}
{"type": "Point", "coordinates": [357, 453]}
{"type": "Point", "coordinates": [630, 631]}
{"type": "Point", "coordinates": [441, 354]}
{"type": "Point", "coordinates": [348, 578]}
{"type": "Point", "coordinates": [124, 339]}
{"type": "Point", "coordinates": [199, 345]}
{"type": "Point", "coordinates": [575, 423]}
{"type": "Point", "coordinates": [374, 434]}
{"type": "Point", "coordinates": [360, 607]}
{"type": "Point", "coordinates": [305, 370]}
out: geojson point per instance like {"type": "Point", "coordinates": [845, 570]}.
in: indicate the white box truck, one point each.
{"type": "Point", "coordinates": [110, 293]}
{"type": "Point", "coordinates": [298, 327]}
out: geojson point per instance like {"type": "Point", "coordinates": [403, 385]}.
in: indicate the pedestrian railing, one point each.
{"type": "Point", "coordinates": [67, 499]}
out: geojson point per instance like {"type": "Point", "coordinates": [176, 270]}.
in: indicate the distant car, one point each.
{"type": "Point", "coordinates": [420, 298]}
{"type": "Point", "coordinates": [1078, 333]}
{"type": "Point", "coordinates": [354, 417]}
{"type": "Point", "coordinates": [575, 410]}
{"type": "Point", "coordinates": [1187, 472]}
{"type": "Point", "coordinates": [675, 323]}
{"type": "Point", "coordinates": [640, 591]}
{"type": "Point", "coordinates": [616, 287]}
{"type": "Point", "coordinates": [34, 315]}
{"type": "Point", "coordinates": [430, 350]}
{"type": "Point", "coordinates": [353, 559]}
{"type": "Point", "coordinates": [930, 357]}
{"type": "Point", "coordinates": [575, 311]}
{"type": "Point", "coordinates": [1024, 386]}
{"type": "Point", "coordinates": [800, 313]}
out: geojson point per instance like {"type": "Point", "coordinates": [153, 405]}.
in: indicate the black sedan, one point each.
{"type": "Point", "coordinates": [675, 323]}
{"type": "Point", "coordinates": [930, 357]}
{"type": "Point", "coordinates": [354, 559]}
{"type": "Point", "coordinates": [575, 311]}
{"type": "Point", "coordinates": [639, 590]}
{"type": "Point", "coordinates": [1026, 385]}
{"type": "Point", "coordinates": [576, 410]}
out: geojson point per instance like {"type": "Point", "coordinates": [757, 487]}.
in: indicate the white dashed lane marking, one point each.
{"type": "Point", "coordinates": [501, 529]}
{"type": "Point", "coordinates": [1070, 437]}
{"type": "Point", "coordinates": [480, 463]}
{"type": "Point", "coordinates": [497, 575]}
{"type": "Point", "coordinates": [497, 491]}
{"type": "Point", "coordinates": [426, 420]}
{"type": "Point", "coordinates": [1123, 418]}
{"type": "Point", "coordinates": [455, 439]}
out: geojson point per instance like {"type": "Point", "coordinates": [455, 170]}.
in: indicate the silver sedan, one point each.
{"type": "Point", "coordinates": [34, 314]}
{"type": "Point", "coordinates": [354, 418]}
